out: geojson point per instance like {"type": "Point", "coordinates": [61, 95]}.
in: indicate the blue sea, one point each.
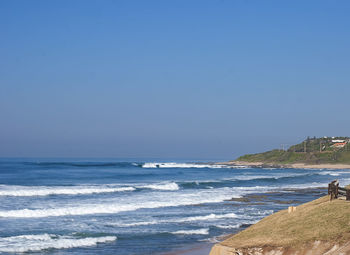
{"type": "Point", "coordinates": [124, 207]}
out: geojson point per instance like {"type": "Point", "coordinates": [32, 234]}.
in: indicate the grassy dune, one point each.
{"type": "Point", "coordinates": [319, 220]}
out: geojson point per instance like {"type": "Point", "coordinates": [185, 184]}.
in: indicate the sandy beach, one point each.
{"type": "Point", "coordinates": [327, 166]}
{"type": "Point", "coordinates": [295, 165]}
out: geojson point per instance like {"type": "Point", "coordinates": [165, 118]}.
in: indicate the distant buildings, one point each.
{"type": "Point", "coordinates": [338, 145]}
{"type": "Point", "coordinates": [338, 141]}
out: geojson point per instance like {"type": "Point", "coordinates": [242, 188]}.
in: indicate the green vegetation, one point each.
{"type": "Point", "coordinates": [320, 220]}
{"type": "Point", "coordinates": [311, 151]}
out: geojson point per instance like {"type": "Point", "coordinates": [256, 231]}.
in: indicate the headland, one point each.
{"type": "Point", "coordinates": [324, 152]}
{"type": "Point", "coordinates": [317, 227]}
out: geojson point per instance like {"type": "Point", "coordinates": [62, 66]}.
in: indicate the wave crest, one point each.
{"type": "Point", "coordinates": [162, 186]}
{"type": "Point", "coordinates": [186, 165]}
{"type": "Point", "coordinates": [202, 231]}
{"type": "Point", "coordinates": [35, 243]}
{"type": "Point", "coordinates": [58, 190]}
{"type": "Point", "coordinates": [109, 208]}
{"type": "Point", "coordinates": [28, 191]}
{"type": "Point", "coordinates": [186, 219]}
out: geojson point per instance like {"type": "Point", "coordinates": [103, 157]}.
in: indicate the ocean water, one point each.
{"type": "Point", "coordinates": [123, 207]}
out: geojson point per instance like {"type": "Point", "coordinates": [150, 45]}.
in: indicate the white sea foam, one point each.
{"type": "Point", "coordinates": [214, 239]}
{"type": "Point", "coordinates": [157, 201]}
{"type": "Point", "coordinates": [202, 231]}
{"type": "Point", "coordinates": [332, 173]}
{"type": "Point", "coordinates": [186, 219]}
{"type": "Point", "coordinates": [246, 190]}
{"type": "Point", "coordinates": [162, 186]}
{"type": "Point", "coordinates": [186, 165]}
{"type": "Point", "coordinates": [149, 201]}
{"type": "Point", "coordinates": [26, 191]}
{"type": "Point", "coordinates": [35, 243]}
{"type": "Point", "coordinates": [264, 212]}
{"type": "Point", "coordinates": [208, 217]}
{"type": "Point", "coordinates": [229, 226]}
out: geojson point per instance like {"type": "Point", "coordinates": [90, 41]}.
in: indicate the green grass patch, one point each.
{"type": "Point", "coordinates": [310, 151]}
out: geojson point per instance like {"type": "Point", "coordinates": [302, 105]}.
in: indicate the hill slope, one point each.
{"type": "Point", "coordinates": [310, 151]}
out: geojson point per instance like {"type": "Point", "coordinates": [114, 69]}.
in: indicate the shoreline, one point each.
{"type": "Point", "coordinates": [253, 198]}
{"type": "Point", "coordinates": [211, 248]}
{"type": "Point", "coordinates": [294, 165]}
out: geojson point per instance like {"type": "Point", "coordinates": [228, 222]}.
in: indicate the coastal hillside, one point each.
{"type": "Point", "coordinates": [317, 227]}
{"type": "Point", "coordinates": [325, 150]}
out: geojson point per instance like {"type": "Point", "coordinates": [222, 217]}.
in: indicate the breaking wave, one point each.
{"type": "Point", "coordinates": [202, 231]}
{"type": "Point", "coordinates": [112, 208]}
{"type": "Point", "coordinates": [35, 243]}
{"type": "Point", "coordinates": [162, 186]}
{"type": "Point", "coordinates": [186, 219]}
{"type": "Point", "coordinates": [209, 217]}
{"type": "Point", "coordinates": [26, 191]}
{"type": "Point", "coordinates": [241, 181]}
{"type": "Point", "coordinates": [229, 226]}
{"type": "Point", "coordinates": [187, 165]}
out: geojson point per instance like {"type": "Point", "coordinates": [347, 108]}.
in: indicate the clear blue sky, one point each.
{"type": "Point", "coordinates": [170, 79]}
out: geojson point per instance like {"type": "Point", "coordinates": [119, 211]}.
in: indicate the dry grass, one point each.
{"type": "Point", "coordinates": [317, 220]}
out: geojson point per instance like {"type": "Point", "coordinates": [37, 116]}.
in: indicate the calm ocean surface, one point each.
{"type": "Point", "coordinates": [124, 207]}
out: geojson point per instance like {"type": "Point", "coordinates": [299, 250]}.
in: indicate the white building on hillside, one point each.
{"type": "Point", "coordinates": [338, 141]}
